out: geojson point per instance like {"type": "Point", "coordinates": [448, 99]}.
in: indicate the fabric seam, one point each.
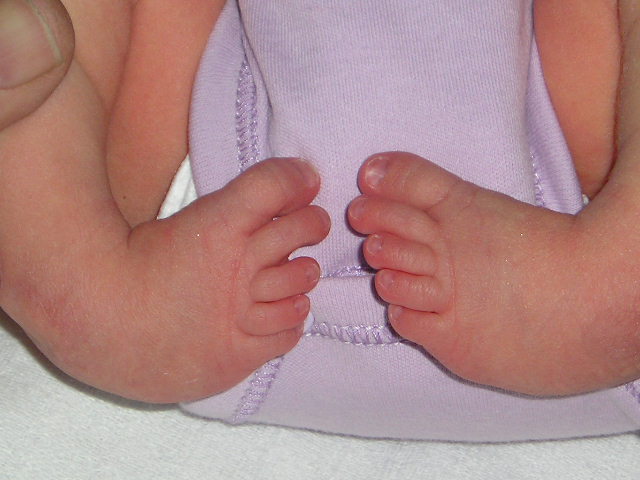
{"type": "Point", "coordinates": [248, 154]}
{"type": "Point", "coordinates": [357, 335]}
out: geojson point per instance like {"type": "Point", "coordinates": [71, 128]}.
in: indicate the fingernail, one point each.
{"type": "Point", "coordinates": [375, 171]}
{"type": "Point", "coordinates": [309, 172]}
{"type": "Point", "coordinates": [28, 47]}
{"type": "Point", "coordinates": [357, 208]}
{"type": "Point", "coordinates": [374, 244]}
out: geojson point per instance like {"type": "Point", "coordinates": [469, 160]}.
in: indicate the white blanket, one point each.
{"type": "Point", "coordinates": [53, 428]}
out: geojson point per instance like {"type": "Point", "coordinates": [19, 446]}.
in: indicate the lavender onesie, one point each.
{"type": "Point", "coordinates": [456, 81]}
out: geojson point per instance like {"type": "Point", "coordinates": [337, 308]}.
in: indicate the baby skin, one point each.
{"type": "Point", "coordinates": [164, 313]}
{"type": "Point", "coordinates": [500, 292]}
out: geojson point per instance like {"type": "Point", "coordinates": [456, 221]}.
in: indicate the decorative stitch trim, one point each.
{"type": "Point", "coordinates": [248, 154]}
{"type": "Point", "coordinates": [350, 271]}
{"type": "Point", "coordinates": [257, 392]}
{"type": "Point", "coordinates": [633, 390]}
{"type": "Point", "coordinates": [246, 118]}
{"type": "Point", "coordinates": [537, 182]}
{"type": "Point", "coordinates": [361, 335]}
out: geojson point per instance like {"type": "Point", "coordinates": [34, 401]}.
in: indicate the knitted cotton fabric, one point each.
{"type": "Point", "coordinates": [458, 82]}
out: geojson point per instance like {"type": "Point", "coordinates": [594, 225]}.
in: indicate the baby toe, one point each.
{"type": "Point", "coordinates": [417, 292]}
{"type": "Point", "coordinates": [406, 178]}
{"type": "Point", "coordinates": [269, 189]}
{"type": "Point", "coordinates": [264, 319]}
{"type": "Point", "coordinates": [373, 214]}
{"type": "Point", "coordinates": [260, 349]}
{"type": "Point", "coordinates": [386, 251]}
{"type": "Point", "coordinates": [294, 277]}
{"type": "Point", "coordinates": [418, 327]}
{"type": "Point", "coordinates": [276, 240]}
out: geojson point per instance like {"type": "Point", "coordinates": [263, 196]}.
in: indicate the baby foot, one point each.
{"type": "Point", "coordinates": [247, 303]}
{"type": "Point", "coordinates": [500, 292]}
{"type": "Point", "coordinates": [200, 300]}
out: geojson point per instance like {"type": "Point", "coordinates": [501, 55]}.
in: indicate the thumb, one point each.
{"type": "Point", "coordinates": [36, 48]}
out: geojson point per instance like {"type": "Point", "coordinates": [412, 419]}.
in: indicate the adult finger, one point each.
{"type": "Point", "coordinates": [36, 48]}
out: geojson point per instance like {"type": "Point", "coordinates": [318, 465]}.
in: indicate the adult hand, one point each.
{"type": "Point", "coordinates": [126, 86]}
{"type": "Point", "coordinates": [36, 47]}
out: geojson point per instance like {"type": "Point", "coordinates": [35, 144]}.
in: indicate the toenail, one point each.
{"type": "Point", "coordinates": [385, 279]}
{"type": "Point", "coordinates": [312, 272]}
{"type": "Point", "coordinates": [357, 208]}
{"type": "Point", "coordinates": [308, 171]}
{"type": "Point", "coordinates": [394, 311]}
{"type": "Point", "coordinates": [374, 244]}
{"type": "Point", "coordinates": [300, 329]}
{"type": "Point", "coordinates": [375, 171]}
{"type": "Point", "coordinates": [301, 305]}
